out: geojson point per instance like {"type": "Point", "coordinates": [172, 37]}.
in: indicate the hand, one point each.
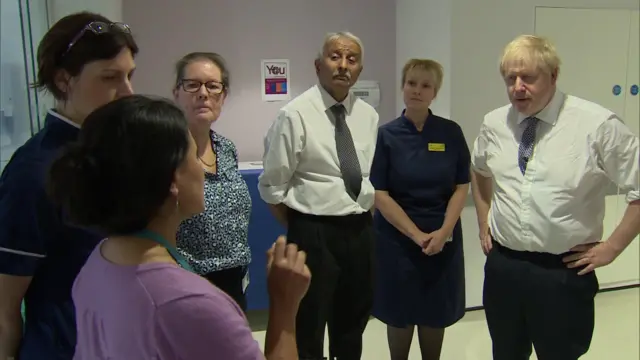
{"type": "Point", "coordinates": [420, 239]}
{"type": "Point", "coordinates": [591, 256]}
{"type": "Point", "coordinates": [435, 242]}
{"type": "Point", "coordinates": [485, 237]}
{"type": "Point", "coordinates": [288, 276]}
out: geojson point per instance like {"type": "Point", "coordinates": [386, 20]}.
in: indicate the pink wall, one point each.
{"type": "Point", "coordinates": [246, 31]}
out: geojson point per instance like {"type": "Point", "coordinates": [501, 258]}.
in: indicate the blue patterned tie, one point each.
{"type": "Point", "coordinates": [526, 144]}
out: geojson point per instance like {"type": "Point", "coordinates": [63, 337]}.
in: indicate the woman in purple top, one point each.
{"type": "Point", "coordinates": [134, 174]}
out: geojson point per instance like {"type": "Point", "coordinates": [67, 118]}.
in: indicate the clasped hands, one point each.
{"type": "Point", "coordinates": [433, 242]}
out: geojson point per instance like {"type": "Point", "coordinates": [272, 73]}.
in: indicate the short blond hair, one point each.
{"type": "Point", "coordinates": [531, 50]}
{"type": "Point", "coordinates": [428, 65]}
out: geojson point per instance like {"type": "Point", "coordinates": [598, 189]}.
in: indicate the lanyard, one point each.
{"type": "Point", "coordinates": [153, 236]}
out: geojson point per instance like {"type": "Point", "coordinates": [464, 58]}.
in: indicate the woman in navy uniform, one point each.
{"type": "Point", "coordinates": [421, 175]}
{"type": "Point", "coordinates": [84, 61]}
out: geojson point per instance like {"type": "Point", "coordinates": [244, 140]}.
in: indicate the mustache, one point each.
{"type": "Point", "coordinates": [345, 74]}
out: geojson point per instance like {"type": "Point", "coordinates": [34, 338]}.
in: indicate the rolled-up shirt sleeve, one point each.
{"type": "Point", "coordinates": [23, 208]}
{"type": "Point", "coordinates": [282, 147]}
{"type": "Point", "coordinates": [481, 148]}
{"type": "Point", "coordinates": [619, 156]}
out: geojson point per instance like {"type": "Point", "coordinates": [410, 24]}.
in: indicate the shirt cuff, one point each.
{"type": "Point", "coordinates": [273, 194]}
{"type": "Point", "coordinates": [632, 196]}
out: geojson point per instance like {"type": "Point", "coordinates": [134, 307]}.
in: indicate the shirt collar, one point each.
{"type": "Point", "coordinates": [551, 112]}
{"type": "Point", "coordinates": [63, 118]}
{"type": "Point", "coordinates": [326, 101]}
{"type": "Point", "coordinates": [406, 119]}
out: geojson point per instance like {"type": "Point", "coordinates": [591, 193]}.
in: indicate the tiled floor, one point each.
{"type": "Point", "coordinates": [616, 337]}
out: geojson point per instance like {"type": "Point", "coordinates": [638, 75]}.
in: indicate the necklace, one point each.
{"type": "Point", "coordinates": [209, 165]}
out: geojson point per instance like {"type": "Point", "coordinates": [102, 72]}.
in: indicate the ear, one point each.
{"type": "Point", "coordinates": [175, 93]}
{"type": "Point", "coordinates": [316, 63]}
{"type": "Point", "coordinates": [554, 76]}
{"type": "Point", "coordinates": [62, 81]}
{"type": "Point", "coordinates": [174, 188]}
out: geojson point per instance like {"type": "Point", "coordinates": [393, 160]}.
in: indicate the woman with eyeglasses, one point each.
{"type": "Point", "coordinates": [84, 61]}
{"type": "Point", "coordinates": [215, 240]}
{"type": "Point", "coordinates": [136, 297]}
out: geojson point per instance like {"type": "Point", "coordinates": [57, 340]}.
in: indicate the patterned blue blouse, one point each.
{"type": "Point", "coordinates": [217, 238]}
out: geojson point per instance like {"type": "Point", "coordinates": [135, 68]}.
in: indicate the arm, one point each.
{"type": "Point", "coordinates": [279, 211]}
{"type": "Point", "coordinates": [619, 156]}
{"type": "Point", "coordinates": [282, 147]}
{"type": "Point", "coordinates": [21, 248]}
{"type": "Point", "coordinates": [395, 215]}
{"type": "Point", "coordinates": [13, 290]}
{"type": "Point", "coordinates": [482, 185]}
{"type": "Point", "coordinates": [628, 228]}
{"type": "Point", "coordinates": [481, 188]}
{"type": "Point", "coordinates": [280, 341]}
{"type": "Point", "coordinates": [387, 206]}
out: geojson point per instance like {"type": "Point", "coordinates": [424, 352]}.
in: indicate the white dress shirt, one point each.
{"type": "Point", "coordinates": [301, 166]}
{"type": "Point", "coordinates": [559, 202]}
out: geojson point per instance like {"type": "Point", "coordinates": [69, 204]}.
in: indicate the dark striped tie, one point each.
{"type": "Point", "coordinates": [349, 164]}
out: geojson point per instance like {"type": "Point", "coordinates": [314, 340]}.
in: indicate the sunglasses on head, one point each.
{"type": "Point", "coordinates": [98, 28]}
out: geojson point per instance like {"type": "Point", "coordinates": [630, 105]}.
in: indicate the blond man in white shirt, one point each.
{"type": "Point", "coordinates": [317, 160]}
{"type": "Point", "coordinates": [541, 169]}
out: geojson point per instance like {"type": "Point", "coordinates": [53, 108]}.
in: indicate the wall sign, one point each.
{"type": "Point", "coordinates": [276, 80]}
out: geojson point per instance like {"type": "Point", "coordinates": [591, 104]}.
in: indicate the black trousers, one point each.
{"type": "Point", "coordinates": [230, 281]}
{"type": "Point", "coordinates": [340, 257]}
{"type": "Point", "coordinates": [533, 298]}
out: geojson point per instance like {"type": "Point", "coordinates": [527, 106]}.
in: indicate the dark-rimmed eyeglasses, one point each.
{"type": "Point", "coordinates": [193, 86]}
{"type": "Point", "coordinates": [98, 28]}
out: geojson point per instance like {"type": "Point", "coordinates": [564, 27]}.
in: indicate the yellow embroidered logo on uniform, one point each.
{"type": "Point", "coordinates": [436, 147]}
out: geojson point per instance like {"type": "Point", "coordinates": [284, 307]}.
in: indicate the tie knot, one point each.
{"type": "Point", "coordinates": [531, 120]}
{"type": "Point", "coordinates": [338, 109]}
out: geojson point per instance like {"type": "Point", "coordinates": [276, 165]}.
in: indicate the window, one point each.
{"type": "Point", "coordinates": [22, 109]}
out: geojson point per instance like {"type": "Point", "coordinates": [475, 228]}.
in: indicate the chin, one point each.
{"type": "Point", "coordinates": [204, 118]}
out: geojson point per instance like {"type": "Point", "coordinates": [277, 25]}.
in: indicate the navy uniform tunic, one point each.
{"type": "Point", "coordinates": [420, 170]}
{"type": "Point", "coordinates": [35, 241]}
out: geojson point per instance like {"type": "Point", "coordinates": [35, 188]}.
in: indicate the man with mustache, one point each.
{"type": "Point", "coordinates": [542, 165]}
{"type": "Point", "coordinates": [317, 158]}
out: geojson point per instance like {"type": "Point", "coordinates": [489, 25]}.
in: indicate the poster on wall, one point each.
{"type": "Point", "coordinates": [367, 90]}
{"type": "Point", "coordinates": [276, 80]}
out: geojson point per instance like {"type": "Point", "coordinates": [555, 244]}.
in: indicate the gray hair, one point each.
{"type": "Point", "coordinates": [333, 36]}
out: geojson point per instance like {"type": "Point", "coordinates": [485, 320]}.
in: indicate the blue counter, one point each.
{"type": "Point", "coordinates": [263, 232]}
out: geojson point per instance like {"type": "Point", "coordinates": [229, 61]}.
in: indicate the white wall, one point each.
{"type": "Point", "coordinates": [112, 9]}
{"type": "Point", "coordinates": [480, 30]}
{"type": "Point", "coordinates": [246, 34]}
{"type": "Point", "coordinates": [423, 30]}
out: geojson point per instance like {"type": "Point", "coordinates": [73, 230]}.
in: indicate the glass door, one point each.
{"type": "Point", "coordinates": [22, 108]}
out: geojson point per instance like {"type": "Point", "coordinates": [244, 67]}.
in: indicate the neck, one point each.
{"type": "Point", "coordinates": [337, 95]}
{"type": "Point", "coordinates": [417, 117]}
{"type": "Point", "coordinates": [202, 137]}
{"type": "Point", "coordinates": [167, 228]}
{"type": "Point", "coordinates": [65, 111]}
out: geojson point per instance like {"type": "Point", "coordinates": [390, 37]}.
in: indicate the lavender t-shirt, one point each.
{"type": "Point", "coordinates": [156, 311]}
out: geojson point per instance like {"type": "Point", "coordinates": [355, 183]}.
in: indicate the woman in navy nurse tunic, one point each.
{"type": "Point", "coordinates": [421, 175]}
{"type": "Point", "coordinates": [84, 61]}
